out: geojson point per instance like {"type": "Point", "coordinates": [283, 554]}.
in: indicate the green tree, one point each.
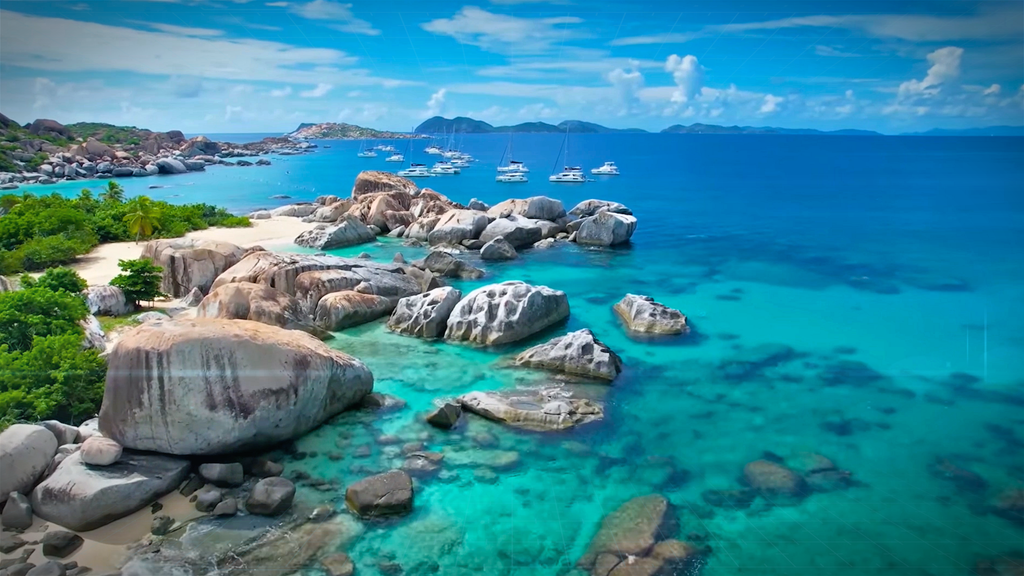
{"type": "Point", "coordinates": [113, 193]}
{"type": "Point", "coordinates": [56, 279]}
{"type": "Point", "coordinates": [38, 312]}
{"type": "Point", "coordinates": [143, 217]}
{"type": "Point", "coordinates": [139, 280]}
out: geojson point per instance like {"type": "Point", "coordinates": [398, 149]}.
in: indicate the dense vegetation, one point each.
{"type": "Point", "coordinates": [107, 133]}
{"type": "Point", "coordinates": [139, 280]}
{"type": "Point", "coordinates": [44, 371]}
{"type": "Point", "coordinates": [39, 232]}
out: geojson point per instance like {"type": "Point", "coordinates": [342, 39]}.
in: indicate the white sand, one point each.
{"type": "Point", "coordinates": [100, 265]}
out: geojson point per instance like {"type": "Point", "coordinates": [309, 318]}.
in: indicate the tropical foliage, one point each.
{"type": "Point", "coordinates": [55, 280]}
{"type": "Point", "coordinates": [139, 280]}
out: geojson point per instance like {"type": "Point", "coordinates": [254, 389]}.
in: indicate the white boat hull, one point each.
{"type": "Point", "coordinates": [568, 177]}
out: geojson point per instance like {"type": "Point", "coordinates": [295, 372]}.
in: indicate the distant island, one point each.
{"type": "Point", "coordinates": [342, 131]}
{"type": "Point", "coordinates": [464, 125]}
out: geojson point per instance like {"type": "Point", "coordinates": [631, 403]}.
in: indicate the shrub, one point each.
{"type": "Point", "coordinates": [56, 279]}
{"type": "Point", "coordinates": [139, 280]}
{"type": "Point", "coordinates": [38, 313]}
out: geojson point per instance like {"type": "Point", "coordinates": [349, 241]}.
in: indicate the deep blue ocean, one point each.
{"type": "Point", "coordinates": [886, 269]}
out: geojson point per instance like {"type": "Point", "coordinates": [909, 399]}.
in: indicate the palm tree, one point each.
{"type": "Point", "coordinates": [113, 193]}
{"type": "Point", "coordinates": [142, 218]}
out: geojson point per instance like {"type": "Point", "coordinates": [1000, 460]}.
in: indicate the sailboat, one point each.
{"type": "Point", "coordinates": [365, 152]}
{"type": "Point", "coordinates": [568, 173]}
{"type": "Point", "coordinates": [513, 165]}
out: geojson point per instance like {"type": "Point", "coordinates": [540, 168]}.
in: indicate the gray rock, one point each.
{"type": "Point", "coordinates": [589, 208]}
{"type": "Point", "coordinates": [17, 513]}
{"type": "Point", "coordinates": [397, 232]}
{"type": "Point", "coordinates": [544, 411]}
{"type": "Point", "coordinates": [271, 496]}
{"type": "Point", "coordinates": [375, 230]}
{"type": "Point", "coordinates": [49, 568]}
{"type": "Point", "coordinates": [94, 339]}
{"type": "Point", "coordinates": [340, 310]}
{"type": "Point", "coordinates": [88, 429]}
{"type": "Point", "coordinates": [606, 229]}
{"type": "Point", "coordinates": [263, 468]}
{"type": "Point", "coordinates": [577, 353]}
{"type": "Point", "coordinates": [498, 249]}
{"type": "Point", "coordinates": [259, 303]}
{"type": "Point", "coordinates": [295, 210]}
{"type": "Point", "coordinates": [420, 229]}
{"type": "Point", "coordinates": [506, 312]}
{"type": "Point", "coordinates": [448, 266]}
{"type": "Point", "coordinates": [147, 317]}
{"type": "Point", "coordinates": [260, 215]}
{"type": "Point", "coordinates": [349, 231]}
{"type": "Point", "coordinates": [230, 474]}
{"type": "Point", "coordinates": [445, 417]}
{"type": "Point", "coordinates": [106, 301]}
{"type": "Point", "coordinates": [141, 172]}
{"type": "Point", "coordinates": [25, 452]}
{"type": "Point", "coordinates": [544, 244]}
{"type": "Point", "coordinates": [190, 486]}
{"type": "Point", "coordinates": [208, 498]}
{"type": "Point", "coordinates": [104, 168]}
{"type": "Point", "coordinates": [194, 165]}
{"type": "Point", "coordinates": [331, 212]}
{"type": "Point", "coordinates": [100, 451]}
{"type": "Point", "coordinates": [227, 507]}
{"type": "Point", "coordinates": [387, 494]}
{"type": "Point", "coordinates": [152, 169]}
{"type": "Point", "coordinates": [10, 542]}
{"type": "Point", "coordinates": [326, 200]}
{"type": "Point", "coordinates": [191, 263]}
{"type": "Point", "coordinates": [425, 315]}
{"type": "Point", "coordinates": [226, 407]}
{"type": "Point", "coordinates": [82, 497]}
{"type": "Point", "coordinates": [517, 231]}
{"type": "Point", "coordinates": [170, 166]}
{"type": "Point", "coordinates": [193, 298]}
{"type": "Point", "coordinates": [61, 543]}
{"type": "Point", "coordinates": [455, 226]}
{"type": "Point", "coordinates": [338, 565]}
{"type": "Point", "coordinates": [475, 204]}
{"type": "Point", "coordinates": [161, 525]}
{"type": "Point", "coordinates": [631, 530]}
{"type": "Point", "coordinates": [538, 207]}
{"type": "Point", "coordinates": [643, 314]}
{"type": "Point", "coordinates": [123, 171]}
{"type": "Point", "coordinates": [473, 244]}
{"type": "Point", "coordinates": [64, 433]}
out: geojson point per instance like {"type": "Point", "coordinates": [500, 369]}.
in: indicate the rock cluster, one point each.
{"type": "Point", "coordinates": [630, 541]}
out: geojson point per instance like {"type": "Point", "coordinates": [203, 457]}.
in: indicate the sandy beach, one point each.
{"type": "Point", "coordinates": [100, 265]}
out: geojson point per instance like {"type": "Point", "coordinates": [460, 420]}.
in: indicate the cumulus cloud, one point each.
{"type": "Point", "coordinates": [281, 92]}
{"type": "Point", "coordinates": [183, 30]}
{"type": "Point", "coordinates": [339, 16]}
{"type": "Point", "coordinates": [320, 91]}
{"type": "Point", "coordinates": [688, 75]}
{"type": "Point", "coordinates": [945, 65]}
{"type": "Point", "coordinates": [504, 33]}
{"type": "Point", "coordinates": [771, 104]}
{"type": "Point", "coordinates": [627, 85]}
{"type": "Point", "coordinates": [435, 106]}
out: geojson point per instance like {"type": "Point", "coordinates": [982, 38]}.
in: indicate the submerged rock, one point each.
{"type": "Point", "coordinates": [83, 497]}
{"type": "Point", "coordinates": [348, 231]}
{"type": "Point", "coordinates": [25, 452]}
{"type": "Point", "coordinates": [1009, 504]}
{"type": "Point", "coordinates": [541, 412]}
{"type": "Point", "coordinates": [444, 264]}
{"type": "Point", "coordinates": [340, 310]}
{"type": "Point", "coordinates": [732, 499]}
{"type": "Point", "coordinates": [631, 530]}
{"type": "Point", "coordinates": [506, 312]}
{"type": "Point", "coordinates": [190, 263]}
{"type": "Point", "coordinates": [271, 496]}
{"type": "Point", "coordinates": [774, 481]}
{"type": "Point", "coordinates": [643, 314]}
{"type": "Point", "coordinates": [578, 353]}
{"type": "Point", "coordinates": [425, 315]}
{"type": "Point", "coordinates": [445, 417]}
{"type": "Point", "coordinates": [498, 249]}
{"type": "Point", "coordinates": [259, 385]}
{"type": "Point", "coordinates": [388, 494]}
{"type": "Point", "coordinates": [259, 303]}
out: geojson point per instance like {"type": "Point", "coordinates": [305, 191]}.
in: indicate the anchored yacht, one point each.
{"type": "Point", "coordinates": [387, 148]}
{"type": "Point", "coordinates": [608, 169]}
{"type": "Point", "coordinates": [365, 152]}
{"type": "Point", "coordinates": [460, 163]}
{"type": "Point", "coordinates": [514, 166]}
{"type": "Point", "coordinates": [511, 177]}
{"type": "Point", "coordinates": [415, 171]}
{"type": "Point", "coordinates": [568, 173]}
{"type": "Point", "coordinates": [396, 157]}
{"type": "Point", "coordinates": [442, 168]}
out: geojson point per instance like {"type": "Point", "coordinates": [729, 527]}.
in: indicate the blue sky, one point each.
{"type": "Point", "coordinates": [265, 65]}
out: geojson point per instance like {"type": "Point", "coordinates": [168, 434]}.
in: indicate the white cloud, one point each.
{"type": "Point", "coordinates": [339, 14]}
{"type": "Point", "coordinates": [320, 91]}
{"type": "Point", "coordinates": [281, 92]}
{"type": "Point", "coordinates": [364, 114]}
{"type": "Point", "coordinates": [771, 104]}
{"type": "Point", "coordinates": [183, 30]}
{"type": "Point", "coordinates": [28, 43]}
{"type": "Point", "coordinates": [536, 112]}
{"type": "Point", "coordinates": [993, 90]}
{"type": "Point", "coordinates": [912, 27]}
{"type": "Point", "coordinates": [688, 75]}
{"type": "Point", "coordinates": [492, 115]}
{"type": "Point", "coordinates": [435, 106]}
{"type": "Point", "coordinates": [231, 112]}
{"type": "Point", "coordinates": [834, 52]}
{"type": "Point", "coordinates": [945, 65]}
{"type": "Point", "coordinates": [277, 4]}
{"type": "Point", "coordinates": [504, 33]}
{"type": "Point", "coordinates": [563, 67]}
{"type": "Point", "coordinates": [355, 93]}
{"type": "Point", "coordinates": [627, 85]}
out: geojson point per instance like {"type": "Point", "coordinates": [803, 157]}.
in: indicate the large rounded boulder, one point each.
{"type": "Point", "coordinates": [347, 231]}
{"type": "Point", "coordinates": [455, 226]}
{"type": "Point", "coordinates": [191, 263]}
{"type": "Point", "coordinates": [538, 207]}
{"type": "Point", "coordinates": [506, 312]}
{"type": "Point", "coordinates": [371, 181]}
{"type": "Point", "coordinates": [25, 452]}
{"type": "Point", "coordinates": [606, 229]}
{"type": "Point", "coordinates": [259, 303]}
{"type": "Point", "coordinates": [211, 386]}
{"type": "Point", "coordinates": [578, 353]}
{"type": "Point", "coordinates": [425, 315]}
{"type": "Point", "coordinates": [106, 301]}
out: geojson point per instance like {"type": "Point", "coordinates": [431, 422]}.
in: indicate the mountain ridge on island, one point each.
{"type": "Point", "coordinates": [464, 125]}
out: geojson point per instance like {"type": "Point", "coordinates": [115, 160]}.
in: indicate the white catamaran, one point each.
{"type": "Point", "coordinates": [365, 152]}
{"type": "Point", "coordinates": [568, 173]}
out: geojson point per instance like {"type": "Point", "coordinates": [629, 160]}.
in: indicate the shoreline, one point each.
{"type": "Point", "coordinates": [100, 265]}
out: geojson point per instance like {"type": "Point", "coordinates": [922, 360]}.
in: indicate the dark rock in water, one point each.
{"type": "Point", "coordinates": [387, 494]}
{"type": "Point", "coordinates": [844, 350]}
{"type": "Point", "coordinates": [1008, 565]}
{"type": "Point", "coordinates": [227, 507]}
{"type": "Point", "coordinates": [263, 468]}
{"type": "Point", "coordinates": [775, 482]}
{"type": "Point", "coordinates": [61, 543]}
{"type": "Point", "coordinates": [845, 426]}
{"type": "Point", "coordinates": [389, 568]}
{"type": "Point", "coordinates": [876, 285]}
{"type": "Point", "coordinates": [732, 499]}
{"type": "Point", "coordinates": [445, 417]}
{"type": "Point", "coordinates": [728, 297]}
{"type": "Point", "coordinates": [422, 464]}
{"type": "Point", "coordinates": [271, 497]}
{"type": "Point", "coordinates": [382, 402]}
{"type": "Point", "coordinates": [161, 525]}
{"type": "Point", "coordinates": [1009, 504]}
{"type": "Point", "coordinates": [632, 529]}
{"type": "Point", "coordinates": [829, 480]}
{"type": "Point", "coordinates": [338, 565]}
{"type": "Point", "coordinates": [207, 499]}
{"type": "Point", "coordinates": [444, 264]}
{"type": "Point", "coordinates": [750, 362]}
{"type": "Point", "coordinates": [850, 373]}
{"type": "Point", "coordinates": [280, 197]}
{"type": "Point", "coordinates": [961, 477]}
{"type": "Point", "coordinates": [230, 474]}
{"type": "Point", "coordinates": [960, 380]}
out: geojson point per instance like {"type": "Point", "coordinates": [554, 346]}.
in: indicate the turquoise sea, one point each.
{"type": "Point", "coordinates": [857, 297]}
